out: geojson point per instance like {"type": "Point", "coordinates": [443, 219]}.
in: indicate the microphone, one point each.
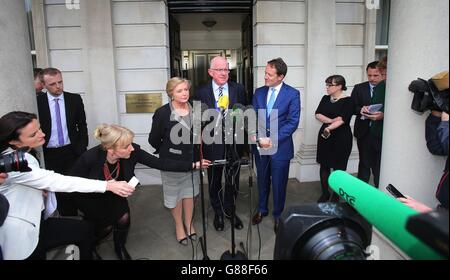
{"type": "Point", "coordinates": [237, 106]}
{"type": "Point", "coordinates": [239, 113]}
{"type": "Point", "coordinates": [384, 212]}
{"type": "Point", "coordinates": [223, 102]}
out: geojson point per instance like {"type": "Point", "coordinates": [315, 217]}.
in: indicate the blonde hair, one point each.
{"type": "Point", "coordinates": [113, 136]}
{"type": "Point", "coordinates": [173, 83]}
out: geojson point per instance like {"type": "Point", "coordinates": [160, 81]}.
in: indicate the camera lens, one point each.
{"type": "Point", "coordinates": [334, 243]}
{"type": "Point", "coordinates": [324, 231]}
{"type": "Point", "coordinates": [14, 161]}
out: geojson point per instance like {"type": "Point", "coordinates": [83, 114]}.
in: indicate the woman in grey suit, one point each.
{"type": "Point", "coordinates": [24, 234]}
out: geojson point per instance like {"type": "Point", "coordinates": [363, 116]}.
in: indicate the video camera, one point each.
{"type": "Point", "coordinates": [14, 161]}
{"type": "Point", "coordinates": [324, 231]}
{"type": "Point", "coordinates": [430, 95]}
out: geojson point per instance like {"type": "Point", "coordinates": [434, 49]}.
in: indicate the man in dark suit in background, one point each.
{"type": "Point", "coordinates": [212, 94]}
{"type": "Point", "coordinates": [38, 83]}
{"type": "Point", "coordinates": [362, 94]}
{"type": "Point", "coordinates": [63, 121]}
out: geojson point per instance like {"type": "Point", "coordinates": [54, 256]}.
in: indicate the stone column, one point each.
{"type": "Point", "coordinates": [418, 47]}
{"type": "Point", "coordinates": [320, 63]}
{"type": "Point", "coordinates": [40, 33]}
{"type": "Point", "coordinates": [17, 91]}
{"type": "Point", "coordinates": [98, 54]}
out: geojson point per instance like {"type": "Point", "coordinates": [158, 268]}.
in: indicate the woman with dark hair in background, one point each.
{"type": "Point", "coordinates": [24, 233]}
{"type": "Point", "coordinates": [334, 142]}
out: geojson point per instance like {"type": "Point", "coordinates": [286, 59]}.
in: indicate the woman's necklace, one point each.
{"type": "Point", "coordinates": [334, 99]}
{"type": "Point", "coordinates": [111, 175]}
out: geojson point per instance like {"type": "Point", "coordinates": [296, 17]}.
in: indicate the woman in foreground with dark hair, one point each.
{"type": "Point", "coordinates": [24, 234]}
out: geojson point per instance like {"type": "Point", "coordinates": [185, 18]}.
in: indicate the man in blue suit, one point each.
{"type": "Point", "coordinates": [280, 104]}
{"type": "Point", "coordinates": [212, 95]}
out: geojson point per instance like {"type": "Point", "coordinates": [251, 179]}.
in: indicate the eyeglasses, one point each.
{"type": "Point", "coordinates": [222, 70]}
{"type": "Point", "coordinates": [330, 85]}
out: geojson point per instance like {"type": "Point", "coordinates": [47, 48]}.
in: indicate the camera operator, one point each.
{"type": "Point", "coordinates": [436, 135]}
{"type": "Point", "coordinates": [4, 207]}
{"type": "Point", "coordinates": [25, 234]}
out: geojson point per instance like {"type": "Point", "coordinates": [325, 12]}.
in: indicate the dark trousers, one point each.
{"type": "Point", "coordinates": [56, 232]}
{"type": "Point", "coordinates": [375, 144]}
{"type": "Point", "coordinates": [222, 199]}
{"type": "Point", "coordinates": [275, 172]}
{"type": "Point", "coordinates": [61, 161]}
{"type": "Point", "coordinates": [364, 164]}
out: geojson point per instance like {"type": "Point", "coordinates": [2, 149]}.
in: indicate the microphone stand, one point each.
{"type": "Point", "coordinates": [234, 159]}
{"type": "Point", "coordinates": [202, 197]}
{"type": "Point", "coordinates": [250, 187]}
{"type": "Point", "coordinates": [202, 239]}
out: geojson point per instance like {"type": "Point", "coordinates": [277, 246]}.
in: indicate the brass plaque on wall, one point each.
{"type": "Point", "coordinates": [143, 103]}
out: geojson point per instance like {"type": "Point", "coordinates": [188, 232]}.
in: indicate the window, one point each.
{"type": "Point", "coordinates": [382, 34]}
{"type": "Point", "coordinates": [28, 6]}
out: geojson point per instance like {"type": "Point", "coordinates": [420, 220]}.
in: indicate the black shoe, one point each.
{"type": "Point", "coordinates": [183, 241]}
{"type": "Point", "coordinates": [276, 223]}
{"type": "Point", "coordinates": [237, 222]}
{"type": "Point", "coordinates": [257, 218]}
{"type": "Point", "coordinates": [325, 197]}
{"type": "Point", "coordinates": [218, 222]}
{"type": "Point", "coordinates": [96, 255]}
{"type": "Point", "coordinates": [122, 253]}
{"type": "Point", "coordinates": [193, 237]}
{"type": "Point", "coordinates": [120, 237]}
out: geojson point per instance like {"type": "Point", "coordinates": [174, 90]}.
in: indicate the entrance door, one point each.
{"type": "Point", "coordinates": [175, 48]}
{"type": "Point", "coordinates": [201, 62]}
{"type": "Point", "coordinates": [247, 57]}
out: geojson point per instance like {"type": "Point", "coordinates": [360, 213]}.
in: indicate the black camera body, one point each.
{"type": "Point", "coordinates": [14, 161]}
{"type": "Point", "coordinates": [323, 231]}
{"type": "Point", "coordinates": [432, 229]}
{"type": "Point", "coordinates": [428, 97]}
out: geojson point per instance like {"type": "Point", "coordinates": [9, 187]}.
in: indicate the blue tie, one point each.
{"type": "Point", "coordinates": [59, 124]}
{"type": "Point", "coordinates": [271, 101]}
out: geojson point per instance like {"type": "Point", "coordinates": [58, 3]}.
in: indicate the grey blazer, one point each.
{"type": "Point", "coordinates": [19, 235]}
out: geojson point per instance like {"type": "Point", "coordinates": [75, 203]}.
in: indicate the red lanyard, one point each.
{"type": "Point", "coordinates": [109, 175]}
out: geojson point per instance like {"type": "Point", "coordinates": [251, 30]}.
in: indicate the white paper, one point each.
{"type": "Point", "coordinates": [133, 182]}
{"type": "Point", "coordinates": [50, 205]}
{"type": "Point", "coordinates": [372, 109]}
{"type": "Point", "coordinates": [375, 108]}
